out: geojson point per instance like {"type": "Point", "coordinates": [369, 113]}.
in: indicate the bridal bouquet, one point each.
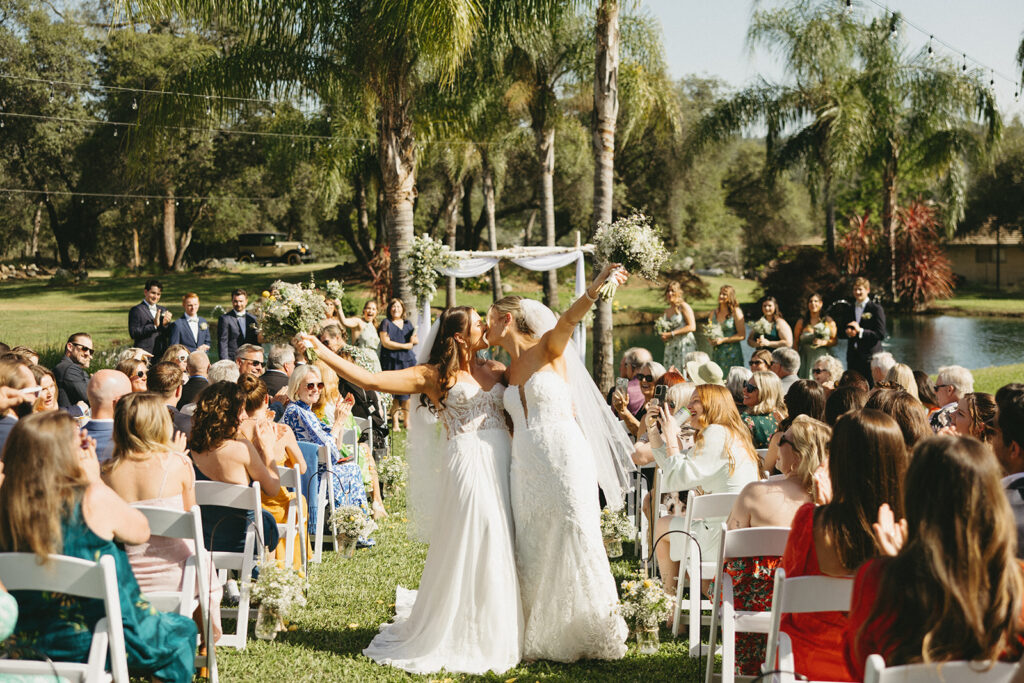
{"type": "Point", "coordinates": [426, 256]}
{"type": "Point", "coordinates": [663, 325]}
{"type": "Point", "coordinates": [335, 289]}
{"type": "Point", "coordinates": [288, 309]}
{"type": "Point", "coordinates": [761, 328]}
{"type": "Point", "coordinates": [822, 331]}
{"type": "Point", "coordinates": [634, 243]}
{"type": "Point", "coordinates": [644, 604]}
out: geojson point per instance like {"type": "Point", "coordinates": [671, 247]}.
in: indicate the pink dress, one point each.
{"type": "Point", "coordinates": [159, 564]}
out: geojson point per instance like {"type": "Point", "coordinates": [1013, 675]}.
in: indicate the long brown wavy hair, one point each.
{"type": "Point", "coordinates": [954, 590]}
{"type": "Point", "coordinates": [720, 409]}
{"type": "Point", "coordinates": [445, 354]}
{"type": "Point", "coordinates": [216, 418]}
{"type": "Point", "coordinates": [867, 462]}
{"type": "Point", "coordinates": [43, 483]}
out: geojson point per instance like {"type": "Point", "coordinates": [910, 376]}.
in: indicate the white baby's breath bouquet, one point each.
{"type": "Point", "coordinates": [335, 289]}
{"type": "Point", "coordinates": [217, 311]}
{"type": "Point", "coordinates": [426, 255]}
{"type": "Point", "coordinates": [634, 243]}
{"type": "Point", "coordinates": [392, 472]}
{"type": "Point", "coordinates": [350, 521]}
{"type": "Point", "coordinates": [288, 309]}
{"type": "Point", "coordinates": [616, 525]}
{"type": "Point", "coordinates": [711, 329]}
{"type": "Point", "coordinates": [279, 588]}
{"type": "Point", "coordinates": [822, 331]}
{"type": "Point", "coordinates": [761, 327]}
{"type": "Point", "coordinates": [644, 604]}
{"type": "Point", "coordinates": [663, 325]}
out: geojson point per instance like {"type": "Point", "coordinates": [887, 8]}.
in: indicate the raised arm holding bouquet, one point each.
{"type": "Point", "coordinates": [633, 244]}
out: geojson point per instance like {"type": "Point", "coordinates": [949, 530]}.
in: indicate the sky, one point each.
{"type": "Point", "coordinates": [708, 37]}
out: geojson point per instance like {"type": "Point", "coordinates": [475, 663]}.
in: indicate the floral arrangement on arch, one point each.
{"type": "Point", "coordinates": [633, 242]}
{"type": "Point", "coordinates": [425, 257]}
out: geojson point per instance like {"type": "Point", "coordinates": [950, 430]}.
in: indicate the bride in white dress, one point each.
{"type": "Point", "coordinates": [568, 591]}
{"type": "Point", "coordinates": [466, 616]}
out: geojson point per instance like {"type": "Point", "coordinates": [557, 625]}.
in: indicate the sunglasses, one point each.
{"type": "Point", "coordinates": [183, 359]}
{"type": "Point", "coordinates": [818, 371]}
{"type": "Point", "coordinates": [645, 378]}
{"type": "Point", "coordinates": [757, 362]}
{"type": "Point", "coordinates": [942, 386]}
{"type": "Point", "coordinates": [257, 363]}
{"type": "Point", "coordinates": [783, 440]}
{"type": "Point", "coordinates": [747, 386]}
{"type": "Point", "coordinates": [314, 385]}
{"type": "Point", "coordinates": [141, 374]}
{"type": "Point", "coordinates": [83, 348]}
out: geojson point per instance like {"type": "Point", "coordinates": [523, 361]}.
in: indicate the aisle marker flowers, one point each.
{"type": "Point", "coordinates": [632, 242]}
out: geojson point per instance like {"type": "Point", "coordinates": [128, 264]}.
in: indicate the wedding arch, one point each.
{"type": "Point", "coordinates": [476, 263]}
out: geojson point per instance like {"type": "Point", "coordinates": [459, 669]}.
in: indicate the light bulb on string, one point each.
{"type": "Point", "coordinates": [992, 77]}
{"type": "Point", "coordinates": [135, 104]}
{"type": "Point", "coordinates": [931, 51]}
{"type": "Point", "coordinates": [50, 96]}
{"type": "Point", "coordinates": [964, 67]}
{"type": "Point", "coordinates": [115, 132]}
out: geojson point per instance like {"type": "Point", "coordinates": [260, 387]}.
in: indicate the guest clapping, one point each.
{"type": "Point", "coordinates": [137, 372]}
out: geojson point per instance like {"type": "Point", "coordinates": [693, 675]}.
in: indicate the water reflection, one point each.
{"type": "Point", "coordinates": [922, 342]}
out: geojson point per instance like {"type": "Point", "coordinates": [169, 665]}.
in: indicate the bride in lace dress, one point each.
{"type": "Point", "coordinates": [568, 592]}
{"type": "Point", "coordinates": [466, 616]}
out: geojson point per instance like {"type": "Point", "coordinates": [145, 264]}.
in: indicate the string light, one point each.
{"type": "Point", "coordinates": [127, 197]}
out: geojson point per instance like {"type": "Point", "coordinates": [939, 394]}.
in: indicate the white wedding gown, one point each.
{"type": "Point", "coordinates": [466, 616]}
{"type": "Point", "coordinates": [567, 587]}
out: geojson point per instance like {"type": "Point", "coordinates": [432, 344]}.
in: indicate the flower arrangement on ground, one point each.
{"type": "Point", "coordinates": [278, 590]}
{"type": "Point", "coordinates": [288, 309]}
{"type": "Point", "coordinates": [350, 523]}
{"type": "Point", "coordinates": [633, 242]}
{"type": "Point", "coordinates": [393, 473]}
{"type": "Point", "coordinates": [615, 528]}
{"type": "Point", "coordinates": [644, 605]}
{"type": "Point", "coordinates": [761, 328]}
{"type": "Point", "coordinates": [426, 255]}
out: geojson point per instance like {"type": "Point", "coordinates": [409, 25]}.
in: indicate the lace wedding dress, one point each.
{"type": "Point", "coordinates": [567, 587]}
{"type": "Point", "coordinates": [466, 616]}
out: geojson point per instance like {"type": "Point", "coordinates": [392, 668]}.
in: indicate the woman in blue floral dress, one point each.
{"type": "Point", "coordinates": [54, 503]}
{"type": "Point", "coordinates": [676, 327]}
{"type": "Point", "coordinates": [725, 330]}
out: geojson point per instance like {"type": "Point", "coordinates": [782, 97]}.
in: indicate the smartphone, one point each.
{"type": "Point", "coordinates": [660, 392]}
{"type": "Point", "coordinates": [622, 385]}
{"type": "Point", "coordinates": [31, 390]}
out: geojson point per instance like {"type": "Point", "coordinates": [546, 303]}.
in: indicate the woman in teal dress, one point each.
{"type": "Point", "coordinates": [762, 398]}
{"type": "Point", "coordinates": [771, 331]}
{"type": "Point", "coordinates": [815, 335]}
{"type": "Point", "coordinates": [676, 327]}
{"type": "Point", "coordinates": [725, 330]}
{"type": "Point", "coordinates": [54, 503]}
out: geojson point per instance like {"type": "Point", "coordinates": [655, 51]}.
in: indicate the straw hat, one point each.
{"type": "Point", "coordinates": [704, 373]}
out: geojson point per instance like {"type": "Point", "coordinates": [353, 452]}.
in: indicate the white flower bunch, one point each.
{"type": "Point", "coordinates": [761, 328]}
{"type": "Point", "coordinates": [634, 243]}
{"type": "Point", "coordinates": [822, 331]}
{"type": "Point", "coordinates": [644, 604]}
{"type": "Point", "coordinates": [711, 329]}
{"type": "Point", "coordinates": [426, 255]}
{"type": "Point", "coordinates": [616, 525]}
{"type": "Point", "coordinates": [352, 522]}
{"type": "Point", "coordinates": [335, 289]}
{"type": "Point", "coordinates": [279, 588]}
{"type": "Point", "coordinates": [392, 472]}
{"type": "Point", "coordinates": [288, 309]}
{"type": "Point", "coordinates": [217, 311]}
{"type": "Point", "coordinates": [663, 325]}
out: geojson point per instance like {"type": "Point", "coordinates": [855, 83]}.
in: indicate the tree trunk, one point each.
{"type": "Point", "coordinates": [529, 227]}
{"type": "Point", "coordinates": [830, 215]}
{"type": "Point", "coordinates": [487, 173]}
{"type": "Point", "coordinates": [362, 217]}
{"type": "Point", "coordinates": [545, 138]}
{"type": "Point", "coordinates": [169, 245]}
{"type": "Point", "coordinates": [451, 232]}
{"type": "Point", "coordinates": [889, 199]}
{"type": "Point", "coordinates": [349, 235]}
{"type": "Point", "coordinates": [136, 260]}
{"type": "Point", "coordinates": [467, 214]}
{"type": "Point", "coordinates": [398, 175]}
{"type": "Point", "coordinates": [59, 235]}
{"type": "Point", "coordinates": [183, 242]}
{"type": "Point", "coordinates": [606, 112]}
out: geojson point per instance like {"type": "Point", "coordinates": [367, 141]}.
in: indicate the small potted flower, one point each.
{"type": "Point", "coordinates": [615, 527]}
{"type": "Point", "coordinates": [392, 473]}
{"type": "Point", "coordinates": [278, 590]}
{"type": "Point", "coordinates": [349, 523]}
{"type": "Point", "coordinates": [644, 605]}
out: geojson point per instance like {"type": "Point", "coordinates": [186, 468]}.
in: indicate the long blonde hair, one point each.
{"type": "Point", "coordinates": [43, 483]}
{"type": "Point", "coordinates": [809, 438]}
{"type": "Point", "coordinates": [903, 375]}
{"type": "Point", "coordinates": [730, 301]}
{"type": "Point", "coordinates": [720, 409]}
{"type": "Point", "coordinates": [769, 393]}
{"type": "Point", "coordinates": [142, 425]}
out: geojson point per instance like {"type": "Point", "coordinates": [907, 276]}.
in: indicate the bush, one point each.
{"type": "Point", "coordinates": [797, 274]}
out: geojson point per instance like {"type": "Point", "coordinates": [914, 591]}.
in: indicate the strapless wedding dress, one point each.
{"type": "Point", "coordinates": [466, 616]}
{"type": "Point", "coordinates": [567, 588]}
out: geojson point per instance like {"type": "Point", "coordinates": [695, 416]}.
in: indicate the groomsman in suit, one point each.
{"type": "Point", "coordinates": [864, 328]}
{"type": "Point", "coordinates": [149, 323]}
{"type": "Point", "coordinates": [191, 330]}
{"type": "Point", "coordinates": [236, 328]}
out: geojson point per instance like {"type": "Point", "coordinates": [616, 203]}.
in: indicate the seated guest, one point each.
{"type": "Point", "coordinates": [166, 379]}
{"type": "Point", "coordinates": [786, 364]}
{"type": "Point", "coordinates": [27, 353]}
{"type": "Point", "coordinates": [761, 361]}
{"type": "Point", "coordinates": [881, 363]}
{"type": "Point", "coordinates": [16, 374]}
{"type": "Point", "coordinates": [805, 397]}
{"type": "Point", "coordinates": [286, 454]}
{"type": "Point", "coordinates": [826, 371]}
{"type": "Point", "coordinates": [147, 468]}
{"type": "Point", "coordinates": [867, 462]}
{"type": "Point", "coordinates": [137, 372]}
{"type": "Point", "coordinates": [738, 376]}
{"type": "Point", "coordinates": [224, 371]}
{"type": "Point", "coordinates": [951, 587]}
{"type": "Point", "coordinates": [976, 415]}
{"type": "Point", "coordinates": [843, 400]}
{"type": "Point", "coordinates": [305, 387]}
{"type": "Point", "coordinates": [706, 372]}
{"type": "Point", "coordinates": [762, 398]}
{"type": "Point", "coordinates": [197, 368]}
{"type": "Point", "coordinates": [220, 453]}
{"type": "Point", "coordinates": [773, 502]}
{"type": "Point", "coordinates": [280, 364]}
{"type": "Point", "coordinates": [926, 391]}
{"type": "Point", "coordinates": [722, 460]}
{"type": "Point", "coordinates": [633, 359]}
{"type": "Point", "coordinates": [648, 375]}
{"type": "Point", "coordinates": [70, 372]}
{"type": "Point", "coordinates": [106, 388]}
{"type": "Point", "coordinates": [677, 397]}
{"type": "Point", "coordinates": [951, 384]}
{"type": "Point", "coordinates": [135, 353]}
{"type": "Point", "coordinates": [47, 384]}
{"type": "Point", "coordinates": [853, 378]}
{"type": "Point", "coordinates": [1008, 445]}
{"type": "Point", "coordinates": [908, 412]}
{"type": "Point", "coordinates": [177, 354]}
{"type": "Point", "coordinates": [903, 376]}
{"type": "Point", "coordinates": [249, 359]}
{"type": "Point", "coordinates": [54, 503]}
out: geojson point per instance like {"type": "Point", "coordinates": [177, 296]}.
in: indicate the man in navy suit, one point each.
{"type": "Point", "coordinates": [105, 389]}
{"type": "Point", "coordinates": [149, 323]}
{"type": "Point", "coordinates": [190, 330]}
{"type": "Point", "coordinates": [864, 328]}
{"type": "Point", "coordinates": [236, 328]}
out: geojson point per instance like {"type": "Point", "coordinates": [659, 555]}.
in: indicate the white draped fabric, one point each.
{"type": "Point", "coordinates": [478, 265]}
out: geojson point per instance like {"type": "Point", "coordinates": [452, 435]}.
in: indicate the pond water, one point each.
{"type": "Point", "coordinates": [921, 341]}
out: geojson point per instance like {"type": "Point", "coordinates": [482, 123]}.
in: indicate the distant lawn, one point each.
{"type": "Point", "coordinates": [975, 300]}
{"type": "Point", "coordinates": [988, 380]}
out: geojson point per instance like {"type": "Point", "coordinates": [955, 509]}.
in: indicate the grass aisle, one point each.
{"type": "Point", "coordinates": [349, 599]}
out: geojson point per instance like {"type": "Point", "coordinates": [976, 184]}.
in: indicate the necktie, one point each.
{"type": "Point", "coordinates": [241, 322]}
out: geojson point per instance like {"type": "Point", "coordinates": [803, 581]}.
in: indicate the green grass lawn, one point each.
{"type": "Point", "coordinates": [988, 380]}
{"type": "Point", "coordinates": [349, 599]}
{"type": "Point", "coordinates": [982, 301]}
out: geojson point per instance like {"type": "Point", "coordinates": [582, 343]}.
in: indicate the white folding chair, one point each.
{"type": "Point", "coordinates": [768, 541]}
{"type": "Point", "coordinates": [294, 528]}
{"type": "Point", "coordinates": [640, 490]}
{"type": "Point", "coordinates": [83, 579]}
{"type": "Point", "coordinates": [762, 453]}
{"type": "Point", "coordinates": [240, 498]}
{"type": "Point", "coordinates": [324, 501]}
{"type": "Point", "coordinates": [697, 563]}
{"type": "Point", "coordinates": [947, 672]}
{"type": "Point", "coordinates": [366, 427]}
{"type": "Point", "coordinates": [801, 594]}
{"type": "Point", "coordinates": [196, 579]}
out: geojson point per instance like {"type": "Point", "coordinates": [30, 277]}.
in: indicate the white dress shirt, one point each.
{"type": "Point", "coordinates": [152, 309]}
{"type": "Point", "coordinates": [241, 321]}
{"type": "Point", "coordinates": [193, 324]}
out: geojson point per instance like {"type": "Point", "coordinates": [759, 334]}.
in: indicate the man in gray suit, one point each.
{"type": "Point", "coordinates": [1008, 445]}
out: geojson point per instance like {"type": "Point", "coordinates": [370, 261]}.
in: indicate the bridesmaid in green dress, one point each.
{"type": "Point", "coordinates": [815, 335]}
{"type": "Point", "coordinates": [778, 334]}
{"type": "Point", "coordinates": [726, 330]}
{"type": "Point", "coordinates": [54, 503]}
{"type": "Point", "coordinates": [678, 319]}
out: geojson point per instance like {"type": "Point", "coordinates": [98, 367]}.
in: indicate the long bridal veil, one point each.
{"type": "Point", "coordinates": [424, 454]}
